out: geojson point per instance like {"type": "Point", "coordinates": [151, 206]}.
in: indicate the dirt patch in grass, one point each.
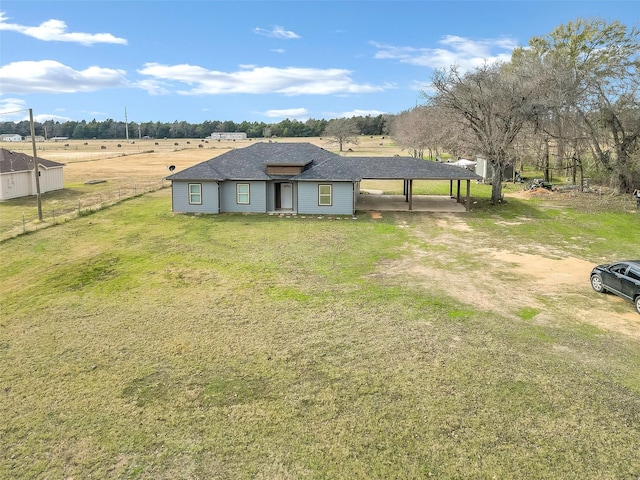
{"type": "Point", "coordinates": [505, 281]}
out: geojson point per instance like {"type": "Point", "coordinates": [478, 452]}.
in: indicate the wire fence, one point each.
{"type": "Point", "coordinates": [55, 212]}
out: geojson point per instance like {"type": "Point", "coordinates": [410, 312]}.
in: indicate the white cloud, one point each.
{"type": "Point", "coordinates": [297, 113]}
{"type": "Point", "coordinates": [13, 110]}
{"type": "Point", "coordinates": [277, 32]}
{"type": "Point", "coordinates": [419, 85]}
{"type": "Point", "coordinates": [259, 80]}
{"type": "Point", "coordinates": [56, 30]}
{"type": "Point", "coordinates": [153, 87]}
{"type": "Point", "coordinates": [49, 76]}
{"type": "Point", "coordinates": [12, 104]}
{"type": "Point", "coordinates": [16, 110]}
{"type": "Point", "coordinates": [454, 50]}
{"type": "Point", "coordinates": [354, 113]}
{"type": "Point", "coordinates": [46, 116]}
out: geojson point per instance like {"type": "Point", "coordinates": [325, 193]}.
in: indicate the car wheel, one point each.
{"type": "Point", "coordinates": [596, 283]}
{"type": "Point", "coordinates": [638, 303]}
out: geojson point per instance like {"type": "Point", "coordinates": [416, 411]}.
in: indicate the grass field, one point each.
{"type": "Point", "coordinates": [137, 343]}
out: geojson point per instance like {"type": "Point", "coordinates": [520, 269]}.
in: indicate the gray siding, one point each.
{"type": "Point", "coordinates": [343, 198]}
{"type": "Point", "coordinates": [257, 197]}
{"type": "Point", "coordinates": [180, 197]}
{"type": "Point", "coordinates": [271, 195]}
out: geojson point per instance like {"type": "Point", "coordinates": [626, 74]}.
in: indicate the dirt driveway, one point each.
{"type": "Point", "coordinates": [509, 280]}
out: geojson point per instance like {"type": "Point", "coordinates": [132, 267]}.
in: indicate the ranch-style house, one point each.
{"type": "Point", "coordinates": [299, 178]}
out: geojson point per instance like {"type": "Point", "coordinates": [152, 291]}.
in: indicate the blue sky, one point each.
{"type": "Point", "coordinates": [258, 61]}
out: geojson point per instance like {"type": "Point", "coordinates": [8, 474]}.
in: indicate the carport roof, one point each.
{"type": "Point", "coordinates": [393, 168]}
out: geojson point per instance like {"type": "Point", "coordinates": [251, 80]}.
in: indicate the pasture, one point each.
{"type": "Point", "coordinates": [138, 343]}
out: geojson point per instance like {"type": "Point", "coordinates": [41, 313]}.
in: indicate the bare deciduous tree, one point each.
{"type": "Point", "coordinates": [342, 131]}
{"type": "Point", "coordinates": [411, 132]}
{"type": "Point", "coordinates": [424, 128]}
{"type": "Point", "coordinates": [491, 103]}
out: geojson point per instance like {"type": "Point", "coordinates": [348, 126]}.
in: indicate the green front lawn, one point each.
{"type": "Point", "coordinates": [137, 343]}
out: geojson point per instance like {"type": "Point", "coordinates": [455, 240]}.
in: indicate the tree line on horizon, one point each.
{"type": "Point", "coordinates": [112, 129]}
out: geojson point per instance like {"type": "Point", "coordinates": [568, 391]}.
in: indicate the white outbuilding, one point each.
{"type": "Point", "coordinates": [228, 136]}
{"type": "Point", "coordinates": [10, 137]}
{"type": "Point", "coordinates": [17, 177]}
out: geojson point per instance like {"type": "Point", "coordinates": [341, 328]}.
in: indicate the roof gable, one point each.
{"type": "Point", "coordinates": [11, 161]}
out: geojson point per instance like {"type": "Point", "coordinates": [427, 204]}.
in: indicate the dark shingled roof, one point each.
{"type": "Point", "coordinates": [19, 162]}
{"type": "Point", "coordinates": [391, 168]}
{"type": "Point", "coordinates": [250, 163]}
{"type": "Point", "coordinates": [319, 165]}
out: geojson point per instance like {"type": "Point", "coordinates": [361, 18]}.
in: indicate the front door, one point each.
{"type": "Point", "coordinates": [286, 196]}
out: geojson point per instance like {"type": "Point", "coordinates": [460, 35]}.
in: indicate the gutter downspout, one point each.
{"type": "Point", "coordinates": [218, 192]}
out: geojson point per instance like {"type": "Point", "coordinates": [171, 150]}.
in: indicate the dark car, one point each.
{"type": "Point", "coordinates": [621, 278]}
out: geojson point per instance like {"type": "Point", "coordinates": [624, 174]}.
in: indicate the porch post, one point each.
{"type": "Point", "coordinates": [458, 193]}
{"type": "Point", "coordinates": [451, 188]}
{"type": "Point", "coordinates": [468, 206]}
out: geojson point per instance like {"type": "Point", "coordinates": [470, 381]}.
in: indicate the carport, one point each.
{"type": "Point", "coordinates": [409, 169]}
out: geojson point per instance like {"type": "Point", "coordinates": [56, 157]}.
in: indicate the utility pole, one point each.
{"type": "Point", "coordinates": [35, 163]}
{"type": "Point", "coordinates": [126, 124]}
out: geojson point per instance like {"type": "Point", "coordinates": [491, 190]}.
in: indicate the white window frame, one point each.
{"type": "Point", "coordinates": [193, 195]}
{"type": "Point", "coordinates": [240, 201]}
{"type": "Point", "coordinates": [324, 195]}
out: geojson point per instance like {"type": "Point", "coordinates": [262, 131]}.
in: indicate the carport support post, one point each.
{"type": "Point", "coordinates": [458, 193]}
{"type": "Point", "coordinates": [450, 188]}
{"type": "Point", "coordinates": [468, 202]}
{"type": "Point", "coordinates": [410, 194]}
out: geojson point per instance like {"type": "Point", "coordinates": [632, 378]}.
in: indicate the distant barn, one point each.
{"type": "Point", "coordinates": [228, 136]}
